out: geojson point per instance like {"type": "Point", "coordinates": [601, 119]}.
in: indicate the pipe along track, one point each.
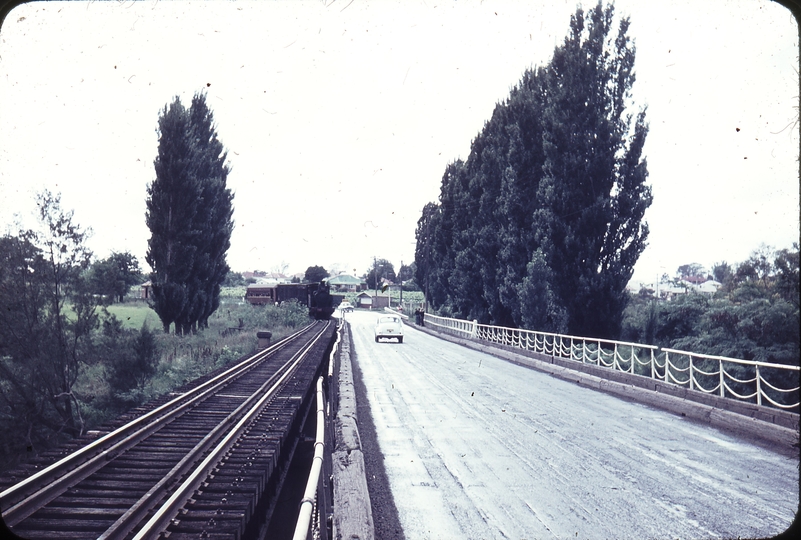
{"type": "Point", "coordinates": [205, 463]}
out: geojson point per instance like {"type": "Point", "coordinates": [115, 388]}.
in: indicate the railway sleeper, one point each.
{"type": "Point", "coordinates": [84, 527]}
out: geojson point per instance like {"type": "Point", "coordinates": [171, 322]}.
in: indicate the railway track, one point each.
{"type": "Point", "coordinates": [206, 462]}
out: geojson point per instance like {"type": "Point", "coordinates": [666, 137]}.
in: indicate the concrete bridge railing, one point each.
{"type": "Point", "coordinates": [732, 378]}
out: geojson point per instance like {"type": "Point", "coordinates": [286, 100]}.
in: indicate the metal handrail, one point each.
{"type": "Point", "coordinates": [315, 489]}
{"type": "Point", "coordinates": [313, 484]}
{"type": "Point", "coordinates": [612, 354]}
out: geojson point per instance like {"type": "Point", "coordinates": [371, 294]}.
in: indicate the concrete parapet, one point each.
{"type": "Point", "coordinates": [353, 517]}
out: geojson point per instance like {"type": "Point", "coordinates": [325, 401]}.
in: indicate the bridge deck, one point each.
{"type": "Point", "coordinates": [477, 447]}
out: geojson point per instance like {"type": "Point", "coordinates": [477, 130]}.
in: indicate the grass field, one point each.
{"type": "Point", "coordinates": [134, 314]}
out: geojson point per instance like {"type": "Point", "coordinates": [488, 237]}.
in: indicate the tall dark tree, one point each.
{"type": "Point", "coordinates": [216, 211]}
{"type": "Point", "coordinates": [424, 255]}
{"type": "Point", "coordinates": [189, 213]}
{"type": "Point", "coordinates": [593, 194]}
{"type": "Point", "coordinates": [543, 223]}
{"type": "Point", "coordinates": [171, 207]}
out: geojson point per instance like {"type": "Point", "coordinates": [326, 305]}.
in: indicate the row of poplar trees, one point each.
{"type": "Point", "coordinates": [189, 213]}
{"type": "Point", "coordinates": [542, 224]}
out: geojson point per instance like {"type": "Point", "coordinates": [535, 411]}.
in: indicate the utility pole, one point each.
{"type": "Point", "coordinates": [375, 281]}
{"type": "Point", "coordinates": [428, 253]}
{"type": "Point", "coordinates": [400, 275]}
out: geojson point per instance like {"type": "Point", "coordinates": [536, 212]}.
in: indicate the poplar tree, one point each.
{"type": "Point", "coordinates": [593, 194]}
{"type": "Point", "coordinates": [189, 213]}
{"type": "Point", "coordinates": [542, 224]}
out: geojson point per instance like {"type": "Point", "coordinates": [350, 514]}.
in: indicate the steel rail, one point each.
{"type": "Point", "coordinates": [22, 499]}
{"type": "Point", "coordinates": [161, 518]}
{"type": "Point", "coordinates": [133, 517]}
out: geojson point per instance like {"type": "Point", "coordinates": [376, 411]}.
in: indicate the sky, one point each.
{"type": "Point", "coordinates": [340, 117]}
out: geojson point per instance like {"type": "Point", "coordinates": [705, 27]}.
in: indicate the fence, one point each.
{"type": "Point", "coordinates": [746, 380]}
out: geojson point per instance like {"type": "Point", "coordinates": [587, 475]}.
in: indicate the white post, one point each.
{"type": "Point", "coordinates": [758, 386]}
{"type": "Point", "coordinates": [691, 372]}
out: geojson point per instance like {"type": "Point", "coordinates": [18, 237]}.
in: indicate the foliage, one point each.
{"type": "Point", "coordinates": [113, 276]}
{"type": "Point", "coordinates": [315, 274]}
{"type": "Point", "coordinates": [407, 272]}
{"type": "Point", "coordinates": [290, 315]}
{"type": "Point", "coordinates": [722, 273]}
{"type": "Point", "coordinates": [787, 277]}
{"type": "Point", "coordinates": [755, 317]}
{"type": "Point", "coordinates": [189, 214]}
{"type": "Point", "coordinates": [130, 357]}
{"type": "Point", "coordinates": [691, 270]}
{"type": "Point", "coordinates": [542, 225]}
{"type": "Point", "coordinates": [233, 292]}
{"type": "Point", "coordinates": [43, 347]}
{"type": "Point", "coordinates": [381, 268]}
{"type": "Point", "coordinates": [234, 279]}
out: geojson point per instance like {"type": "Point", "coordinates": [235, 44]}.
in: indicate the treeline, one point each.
{"type": "Point", "coordinates": [65, 362]}
{"type": "Point", "coordinates": [53, 328]}
{"type": "Point", "coordinates": [68, 365]}
{"type": "Point", "coordinates": [542, 224]}
{"type": "Point", "coordinates": [754, 315]}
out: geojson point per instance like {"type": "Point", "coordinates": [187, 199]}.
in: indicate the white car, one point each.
{"type": "Point", "coordinates": [389, 326]}
{"type": "Point", "coordinates": [345, 307]}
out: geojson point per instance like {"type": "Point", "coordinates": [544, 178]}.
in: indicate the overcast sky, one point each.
{"type": "Point", "coordinates": [340, 117]}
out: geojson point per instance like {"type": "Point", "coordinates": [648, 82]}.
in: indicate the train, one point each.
{"type": "Point", "coordinates": [316, 296]}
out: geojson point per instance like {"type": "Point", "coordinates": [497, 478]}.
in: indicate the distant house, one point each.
{"type": "Point", "coordinates": [671, 291]}
{"type": "Point", "coordinates": [145, 290]}
{"type": "Point", "coordinates": [371, 300]}
{"type": "Point", "coordinates": [709, 287]}
{"type": "Point", "coordinates": [694, 280]}
{"type": "Point", "coordinates": [344, 282]}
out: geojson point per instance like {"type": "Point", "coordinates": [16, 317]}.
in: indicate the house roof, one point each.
{"type": "Point", "coordinates": [371, 294]}
{"type": "Point", "coordinates": [709, 286]}
{"type": "Point", "coordinates": [344, 279]}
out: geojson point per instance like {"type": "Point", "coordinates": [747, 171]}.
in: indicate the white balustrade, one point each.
{"type": "Point", "coordinates": [608, 353]}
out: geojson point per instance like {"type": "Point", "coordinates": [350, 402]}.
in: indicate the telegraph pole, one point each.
{"type": "Point", "coordinates": [401, 284]}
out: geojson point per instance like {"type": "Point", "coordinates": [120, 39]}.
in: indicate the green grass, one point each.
{"type": "Point", "coordinates": [135, 314]}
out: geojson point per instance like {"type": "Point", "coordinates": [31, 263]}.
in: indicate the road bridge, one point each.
{"type": "Point", "coordinates": [473, 446]}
